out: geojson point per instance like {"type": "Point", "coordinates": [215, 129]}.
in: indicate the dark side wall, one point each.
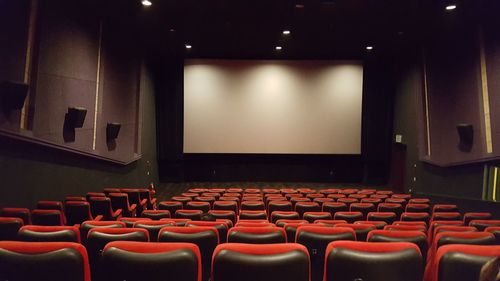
{"type": "Point", "coordinates": [460, 181]}
{"type": "Point", "coordinates": [30, 172]}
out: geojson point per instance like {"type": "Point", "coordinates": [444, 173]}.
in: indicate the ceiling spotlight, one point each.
{"type": "Point", "coordinates": [299, 6]}
{"type": "Point", "coordinates": [451, 7]}
{"type": "Point", "coordinates": [286, 32]}
{"type": "Point", "coordinates": [369, 48]}
{"type": "Point", "coordinates": [146, 3]}
{"type": "Point", "coordinates": [278, 48]}
{"type": "Point", "coordinates": [188, 46]}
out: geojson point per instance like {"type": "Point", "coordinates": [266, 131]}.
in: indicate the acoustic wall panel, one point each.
{"type": "Point", "coordinates": [277, 107]}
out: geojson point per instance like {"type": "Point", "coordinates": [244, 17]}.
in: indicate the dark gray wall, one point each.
{"type": "Point", "coordinates": [30, 172]}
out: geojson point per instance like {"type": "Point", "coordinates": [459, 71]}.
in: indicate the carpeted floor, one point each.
{"type": "Point", "coordinates": [166, 190]}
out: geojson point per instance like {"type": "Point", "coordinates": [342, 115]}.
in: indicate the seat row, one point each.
{"type": "Point", "coordinates": [208, 234]}
{"type": "Point", "coordinates": [108, 205]}
{"type": "Point", "coordinates": [343, 261]}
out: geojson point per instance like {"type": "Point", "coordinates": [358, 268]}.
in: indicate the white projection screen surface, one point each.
{"type": "Point", "coordinates": [272, 107]}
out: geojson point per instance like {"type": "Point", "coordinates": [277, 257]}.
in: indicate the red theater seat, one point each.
{"type": "Point", "coordinates": [445, 208]}
{"type": "Point", "coordinates": [109, 190]}
{"type": "Point", "coordinates": [313, 216]}
{"type": "Point", "coordinates": [461, 262]}
{"type": "Point", "coordinates": [97, 238]}
{"type": "Point", "coordinates": [170, 206]}
{"type": "Point", "coordinates": [279, 206]}
{"type": "Point", "coordinates": [253, 215]}
{"type": "Point", "coordinates": [407, 216]}
{"type": "Point", "coordinates": [221, 226]}
{"type": "Point", "coordinates": [446, 216]}
{"type": "Point", "coordinates": [468, 217]}
{"type": "Point", "coordinates": [481, 225]}
{"type": "Point", "coordinates": [413, 223]}
{"type": "Point", "coordinates": [280, 215]}
{"type": "Point", "coordinates": [418, 238]}
{"type": "Point", "coordinates": [86, 226]}
{"type": "Point", "coordinates": [348, 201]}
{"type": "Point", "coordinates": [496, 231]}
{"type": "Point", "coordinates": [50, 205]}
{"type": "Point", "coordinates": [418, 208]}
{"type": "Point", "coordinates": [226, 205]}
{"type": "Point", "coordinates": [361, 230]}
{"type": "Point", "coordinates": [145, 194]}
{"type": "Point", "coordinates": [151, 261]}
{"type": "Point", "coordinates": [9, 227]}
{"type": "Point", "coordinates": [388, 217]}
{"type": "Point", "coordinates": [101, 206]}
{"type": "Point", "coordinates": [316, 239]}
{"type": "Point", "coordinates": [134, 197]}
{"type": "Point", "coordinates": [39, 233]}
{"type": "Point", "coordinates": [208, 199]}
{"type": "Point", "coordinates": [393, 261]}
{"type": "Point", "coordinates": [321, 201]}
{"type": "Point", "coordinates": [378, 224]}
{"type": "Point", "coordinates": [75, 198]}
{"type": "Point", "coordinates": [94, 194]}
{"type": "Point", "coordinates": [447, 238]}
{"type": "Point", "coordinates": [283, 222]}
{"type": "Point", "coordinates": [178, 222]}
{"type": "Point", "coordinates": [55, 261]}
{"type": "Point", "coordinates": [189, 214]}
{"type": "Point", "coordinates": [153, 227]}
{"type": "Point", "coordinates": [223, 214]}
{"type": "Point", "coordinates": [252, 205]}
{"type": "Point", "coordinates": [329, 222]}
{"type": "Point", "coordinates": [419, 201]}
{"type": "Point", "coordinates": [391, 207]}
{"type": "Point", "coordinates": [333, 207]}
{"type": "Point", "coordinates": [155, 214]}
{"type": "Point", "coordinates": [22, 213]}
{"type": "Point", "coordinates": [205, 237]}
{"type": "Point", "coordinates": [291, 229]}
{"type": "Point", "coordinates": [120, 201]}
{"type": "Point", "coordinates": [182, 199]}
{"type": "Point", "coordinates": [47, 217]}
{"type": "Point", "coordinates": [256, 235]}
{"type": "Point", "coordinates": [198, 205]}
{"type": "Point", "coordinates": [350, 217]}
{"type": "Point", "coordinates": [364, 208]}
{"type": "Point", "coordinates": [374, 201]}
{"type": "Point", "coordinates": [245, 262]}
{"type": "Point", "coordinates": [401, 196]}
{"type": "Point", "coordinates": [405, 228]}
{"type": "Point", "coordinates": [129, 222]}
{"type": "Point", "coordinates": [254, 224]}
{"type": "Point", "coordinates": [336, 196]}
{"type": "Point", "coordinates": [78, 212]}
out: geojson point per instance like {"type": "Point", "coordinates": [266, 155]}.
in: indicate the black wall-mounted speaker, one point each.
{"type": "Point", "coordinates": [112, 130]}
{"type": "Point", "coordinates": [76, 116]}
{"type": "Point", "coordinates": [466, 136]}
{"type": "Point", "coordinates": [13, 94]}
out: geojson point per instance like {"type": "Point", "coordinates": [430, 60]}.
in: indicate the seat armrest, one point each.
{"type": "Point", "coordinates": [143, 202]}
{"type": "Point", "coordinates": [98, 218]}
{"type": "Point", "coordinates": [117, 214]}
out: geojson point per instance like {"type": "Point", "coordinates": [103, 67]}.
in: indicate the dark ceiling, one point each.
{"type": "Point", "coordinates": [321, 29]}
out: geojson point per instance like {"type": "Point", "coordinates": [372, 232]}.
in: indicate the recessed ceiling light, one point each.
{"type": "Point", "coordinates": [451, 7]}
{"type": "Point", "coordinates": [369, 48]}
{"type": "Point", "coordinates": [286, 32]}
{"type": "Point", "coordinates": [278, 48]}
{"type": "Point", "coordinates": [299, 6]}
{"type": "Point", "coordinates": [188, 46]}
{"type": "Point", "coordinates": [146, 3]}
